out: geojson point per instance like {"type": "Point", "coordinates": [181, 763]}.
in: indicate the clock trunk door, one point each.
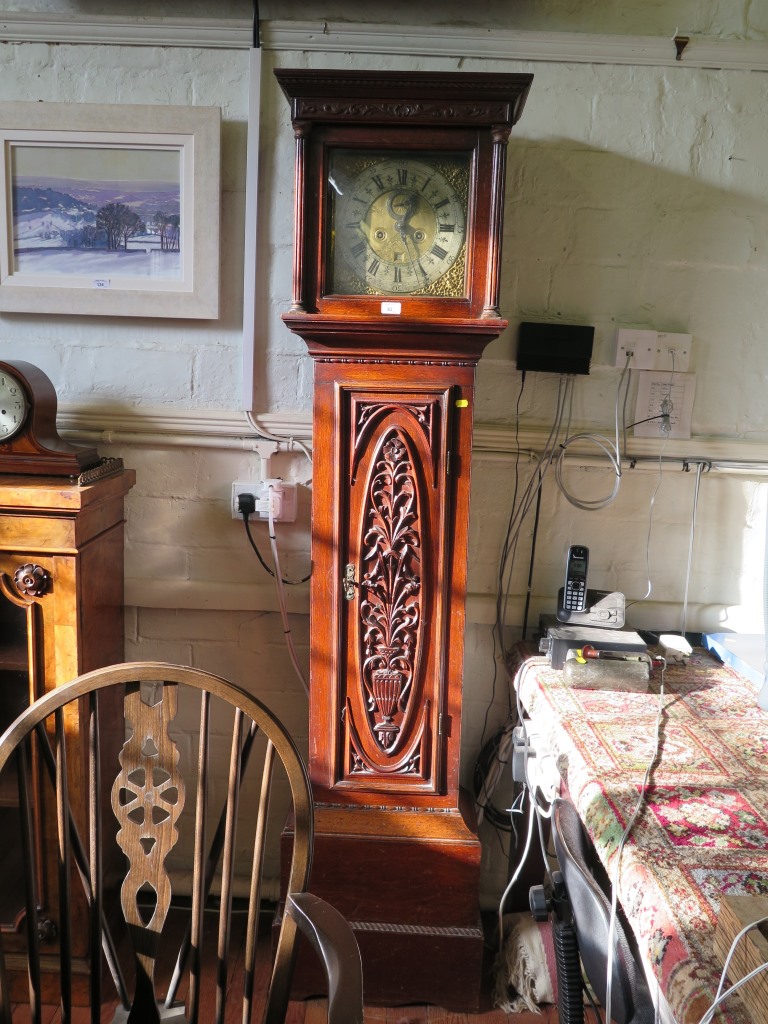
{"type": "Point", "coordinates": [395, 538]}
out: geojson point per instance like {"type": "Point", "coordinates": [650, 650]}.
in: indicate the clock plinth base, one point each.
{"type": "Point", "coordinates": [407, 881]}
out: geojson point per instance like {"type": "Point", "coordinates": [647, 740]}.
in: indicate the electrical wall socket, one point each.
{"type": "Point", "coordinates": [280, 494]}
{"type": "Point", "coordinates": [673, 352]}
{"type": "Point", "coordinates": [640, 346]}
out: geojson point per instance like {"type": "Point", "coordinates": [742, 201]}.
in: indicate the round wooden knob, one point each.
{"type": "Point", "coordinates": [32, 580]}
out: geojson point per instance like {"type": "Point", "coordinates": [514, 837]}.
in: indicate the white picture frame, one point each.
{"type": "Point", "coordinates": [110, 210]}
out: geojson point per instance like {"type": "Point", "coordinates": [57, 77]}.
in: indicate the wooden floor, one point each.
{"type": "Point", "coordinates": [313, 1011]}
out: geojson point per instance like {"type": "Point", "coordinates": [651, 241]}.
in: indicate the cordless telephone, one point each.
{"type": "Point", "coordinates": [574, 592]}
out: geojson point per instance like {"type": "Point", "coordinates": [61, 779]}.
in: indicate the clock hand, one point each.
{"type": "Point", "coordinates": [401, 206]}
{"type": "Point", "coordinates": [414, 260]}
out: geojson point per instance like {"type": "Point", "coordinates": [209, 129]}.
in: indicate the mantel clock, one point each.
{"type": "Point", "coordinates": [29, 440]}
{"type": "Point", "coordinates": [399, 191]}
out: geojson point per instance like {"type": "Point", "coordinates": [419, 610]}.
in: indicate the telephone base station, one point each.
{"type": "Point", "coordinates": [602, 608]}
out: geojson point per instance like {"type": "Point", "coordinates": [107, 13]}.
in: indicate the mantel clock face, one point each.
{"type": "Point", "coordinates": [397, 223]}
{"type": "Point", "coordinates": [13, 405]}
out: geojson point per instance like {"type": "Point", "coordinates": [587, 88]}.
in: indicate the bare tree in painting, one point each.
{"type": "Point", "coordinates": [120, 224]}
{"type": "Point", "coordinates": [167, 226]}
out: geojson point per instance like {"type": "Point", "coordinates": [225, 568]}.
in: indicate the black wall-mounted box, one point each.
{"type": "Point", "coordinates": [554, 348]}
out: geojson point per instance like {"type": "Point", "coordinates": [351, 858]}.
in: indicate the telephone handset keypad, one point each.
{"type": "Point", "coordinates": [575, 589]}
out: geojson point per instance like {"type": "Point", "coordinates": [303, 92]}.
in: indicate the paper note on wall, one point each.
{"type": "Point", "coordinates": [664, 404]}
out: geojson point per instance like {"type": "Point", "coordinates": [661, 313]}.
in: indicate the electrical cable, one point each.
{"type": "Point", "coordinates": [489, 766]}
{"type": "Point", "coordinates": [517, 871]}
{"type": "Point", "coordinates": [545, 812]}
{"type": "Point", "coordinates": [290, 441]}
{"type": "Point", "coordinates": [533, 812]}
{"type": "Point", "coordinates": [497, 629]}
{"type": "Point", "coordinates": [649, 585]}
{"type": "Point", "coordinates": [531, 561]}
{"type": "Point", "coordinates": [281, 601]}
{"type": "Point", "coordinates": [542, 841]}
{"type": "Point", "coordinates": [699, 467]}
{"type": "Point", "coordinates": [663, 416]}
{"type": "Point", "coordinates": [267, 568]}
{"type": "Point", "coordinates": [532, 492]}
{"type": "Point", "coordinates": [737, 939]}
{"type": "Point", "coordinates": [612, 450]}
{"type": "Point", "coordinates": [519, 511]}
{"type": "Point", "coordinates": [268, 435]}
{"type": "Point", "coordinates": [593, 1005]}
{"type": "Point", "coordinates": [624, 427]}
{"type": "Point", "coordinates": [620, 848]}
{"type": "Point", "coordinates": [708, 1016]}
{"type": "Point", "coordinates": [720, 996]}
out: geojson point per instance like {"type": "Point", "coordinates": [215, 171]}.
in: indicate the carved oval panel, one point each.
{"type": "Point", "coordinates": [391, 590]}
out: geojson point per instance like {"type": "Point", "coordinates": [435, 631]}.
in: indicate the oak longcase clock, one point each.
{"type": "Point", "coordinates": [399, 191]}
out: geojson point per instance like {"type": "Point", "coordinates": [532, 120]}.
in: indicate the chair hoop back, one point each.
{"type": "Point", "coordinates": [175, 718]}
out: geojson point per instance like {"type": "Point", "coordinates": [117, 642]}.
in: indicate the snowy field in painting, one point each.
{"type": "Point", "coordinates": [57, 228]}
{"type": "Point", "coordinates": [146, 261]}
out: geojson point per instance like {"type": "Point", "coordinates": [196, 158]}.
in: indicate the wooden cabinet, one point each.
{"type": "Point", "coordinates": [61, 614]}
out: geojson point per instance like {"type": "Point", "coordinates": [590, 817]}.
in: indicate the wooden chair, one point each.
{"type": "Point", "coordinates": [156, 798]}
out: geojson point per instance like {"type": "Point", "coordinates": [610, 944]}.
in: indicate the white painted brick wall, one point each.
{"type": "Point", "coordinates": [636, 197]}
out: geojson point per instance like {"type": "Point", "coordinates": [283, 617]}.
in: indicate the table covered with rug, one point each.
{"type": "Point", "coordinates": [703, 832]}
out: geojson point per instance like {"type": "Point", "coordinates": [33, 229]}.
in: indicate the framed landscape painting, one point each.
{"type": "Point", "coordinates": [110, 210]}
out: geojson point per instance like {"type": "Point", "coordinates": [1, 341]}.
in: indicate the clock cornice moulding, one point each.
{"type": "Point", "coordinates": [420, 40]}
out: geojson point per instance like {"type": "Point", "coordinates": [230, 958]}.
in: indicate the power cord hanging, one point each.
{"type": "Point", "coordinates": [246, 506]}
{"type": "Point", "coordinates": [281, 603]}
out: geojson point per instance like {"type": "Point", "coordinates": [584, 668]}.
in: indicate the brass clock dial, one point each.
{"type": "Point", "coordinates": [398, 223]}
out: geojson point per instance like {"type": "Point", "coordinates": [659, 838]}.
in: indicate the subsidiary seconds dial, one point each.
{"type": "Point", "coordinates": [399, 223]}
